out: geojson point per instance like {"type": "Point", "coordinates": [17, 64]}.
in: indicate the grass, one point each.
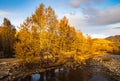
{"type": "Point", "coordinates": [106, 58]}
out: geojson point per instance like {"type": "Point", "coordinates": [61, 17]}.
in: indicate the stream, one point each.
{"type": "Point", "coordinates": [90, 72]}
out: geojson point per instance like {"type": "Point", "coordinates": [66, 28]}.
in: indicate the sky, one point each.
{"type": "Point", "coordinates": [98, 18]}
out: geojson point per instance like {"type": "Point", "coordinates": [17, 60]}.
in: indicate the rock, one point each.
{"type": "Point", "coordinates": [9, 74]}
{"type": "Point", "coordinates": [111, 63]}
{"type": "Point", "coordinates": [3, 74]}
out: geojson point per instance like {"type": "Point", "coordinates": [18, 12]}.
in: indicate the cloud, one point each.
{"type": "Point", "coordinates": [75, 19]}
{"type": "Point", "coordinates": [4, 13]}
{"type": "Point", "coordinates": [103, 17]}
{"type": "Point", "coordinates": [98, 36]}
{"type": "Point", "coordinates": [77, 3]}
{"type": "Point", "coordinates": [91, 16]}
{"type": "Point", "coordinates": [95, 21]}
{"type": "Point", "coordinates": [90, 11]}
{"type": "Point", "coordinates": [116, 28]}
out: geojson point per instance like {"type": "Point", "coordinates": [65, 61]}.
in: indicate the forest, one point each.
{"type": "Point", "coordinates": [43, 36]}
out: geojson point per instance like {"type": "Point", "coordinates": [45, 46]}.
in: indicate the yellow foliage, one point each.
{"type": "Point", "coordinates": [44, 33]}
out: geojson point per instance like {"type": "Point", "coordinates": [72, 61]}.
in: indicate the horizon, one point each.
{"type": "Point", "coordinates": [98, 18]}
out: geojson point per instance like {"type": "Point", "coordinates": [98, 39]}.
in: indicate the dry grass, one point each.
{"type": "Point", "coordinates": [106, 58]}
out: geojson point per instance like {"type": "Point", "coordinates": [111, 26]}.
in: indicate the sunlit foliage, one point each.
{"type": "Point", "coordinates": [7, 38]}
{"type": "Point", "coordinates": [50, 40]}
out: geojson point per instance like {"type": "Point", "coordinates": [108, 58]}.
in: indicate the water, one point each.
{"type": "Point", "coordinates": [115, 56]}
{"type": "Point", "coordinates": [35, 77]}
{"type": "Point", "coordinates": [66, 74]}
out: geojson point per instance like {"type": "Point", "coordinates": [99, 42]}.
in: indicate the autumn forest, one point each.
{"type": "Point", "coordinates": [44, 37]}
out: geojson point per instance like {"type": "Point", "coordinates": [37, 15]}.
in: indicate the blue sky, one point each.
{"type": "Point", "coordinates": [99, 18]}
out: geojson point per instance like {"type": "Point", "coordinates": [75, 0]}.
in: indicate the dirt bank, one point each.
{"type": "Point", "coordinates": [11, 69]}
{"type": "Point", "coordinates": [111, 63]}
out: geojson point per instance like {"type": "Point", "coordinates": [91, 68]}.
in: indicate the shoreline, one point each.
{"type": "Point", "coordinates": [11, 71]}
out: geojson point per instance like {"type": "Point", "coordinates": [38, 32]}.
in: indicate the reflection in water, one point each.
{"type": "Point", "coordinates": [61, 74]}
{"type": "Point", "coordinates": [98, 77]}
{"type": "Point", "coordinates": [35, 77]}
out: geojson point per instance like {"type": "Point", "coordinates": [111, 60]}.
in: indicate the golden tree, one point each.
{"type": "Point", "coordinates": [7, 35]}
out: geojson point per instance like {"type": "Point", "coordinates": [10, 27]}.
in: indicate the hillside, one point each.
{"type": "Point", "coordinates": [115, 38]}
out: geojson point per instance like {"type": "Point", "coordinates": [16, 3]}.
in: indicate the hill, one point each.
{"type": "Point", "coordinates": [115, 38]}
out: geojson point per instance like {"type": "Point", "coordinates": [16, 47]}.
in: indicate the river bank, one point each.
{"type": "Point", "coordinates": [12, 68]}
{"type": "Point", "coordinates": [98, 65]}
{"type": "Point", "coordinates": [111, 63]}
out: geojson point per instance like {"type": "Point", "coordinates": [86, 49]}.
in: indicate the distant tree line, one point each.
{"type": "Point", "coordinates": [7, 39]}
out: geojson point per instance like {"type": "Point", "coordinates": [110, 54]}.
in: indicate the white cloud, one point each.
{"type": "Point", "coordinates": [99, 24]}
{"type": "Point", "coordinates": [96, 17]}
{"type": "Point", "coordinates": [103, 17]}
{"type": "Point", "coordinates": [4, 13]}
{"type": "Point", "coordinates": [98, 36]}
{"type": "Point", "coordinates": [76, 19]}
{"type": "Point", "coordinates": [91, 16]}
{"type": "Point", "coordinates": [115, 26]}
{"type": "Point", "coordinates": [77, 3]}
{"type": "Point", "coordinates": [89, 12]}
